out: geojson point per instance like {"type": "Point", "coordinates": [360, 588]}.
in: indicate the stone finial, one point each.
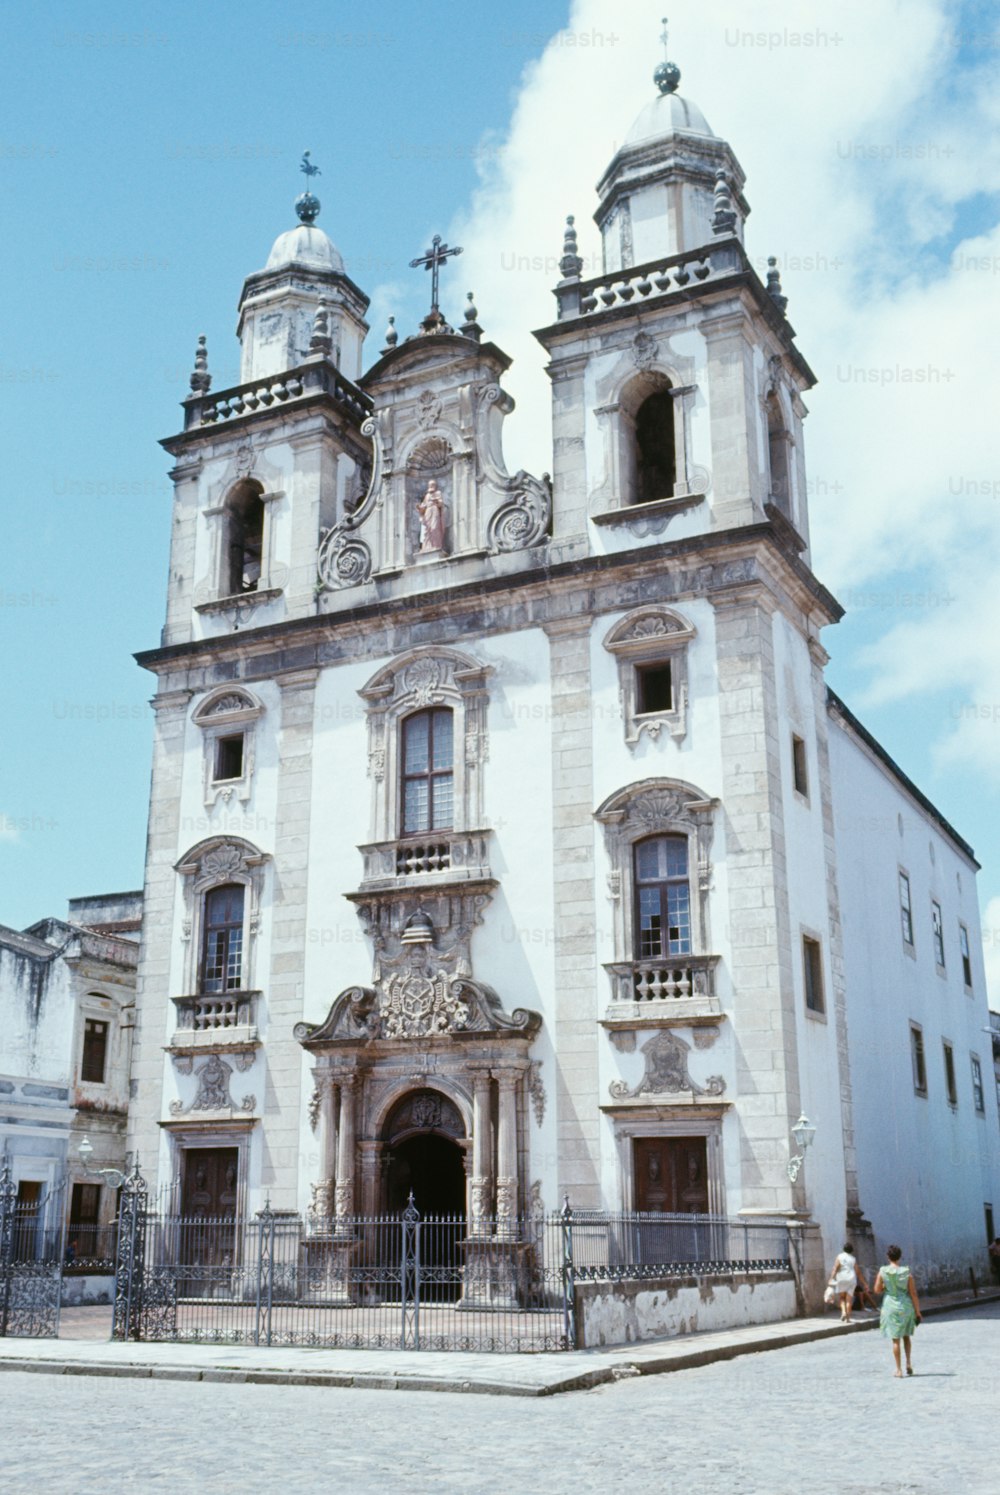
{"type": "Point", "coordinates": [667, 75]}
{"type": "Point", "coordinates": [774, 285]}
{"type": "Point", "coordinates": [201, 379]}
{"type": "Point", "coordinates": [470, 326]}
{"type": "Point", "coordinates": [321, 341]}
{"type": "Point", "coordinates": [724, 217]}
{"type": "Point", "coordinates": [391, 335]}
{"type": "Point", "coordinates": [571, 264]}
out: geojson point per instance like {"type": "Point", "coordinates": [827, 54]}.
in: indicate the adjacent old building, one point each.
{"type": "Point", "coordinates": [505, 843]}
{"type": "Point", "coordinates": [67, 1001]}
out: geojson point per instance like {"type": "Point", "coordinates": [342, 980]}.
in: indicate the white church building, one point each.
{"type": "Point", "coordinates": [506, 843]}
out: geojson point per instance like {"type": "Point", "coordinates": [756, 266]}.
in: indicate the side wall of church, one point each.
{"type": "Point", "coordinates": [926, 1167]}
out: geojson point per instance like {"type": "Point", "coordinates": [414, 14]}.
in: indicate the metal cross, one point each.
{"type": "Point", "coordinates": [432, 260]}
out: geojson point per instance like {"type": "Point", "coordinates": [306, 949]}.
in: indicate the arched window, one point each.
{"type": "Point", "coordinates": [427, 779]}
{"type": "Point", "coordinates": [656, 468]}
{"type": "Point", "coordinates": [662, 897]}
{"type": "Point", "coordinates": [777, 456]}
{"type": "Point", "coordinates": [243, 550]}
{"type": "Point", "coordinates": [222, 946]}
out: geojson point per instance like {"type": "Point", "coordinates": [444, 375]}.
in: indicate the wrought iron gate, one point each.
{"type": "Point", "coordinates": [30, 1267]}
{"type": "Point", "coordinates": [392, 1282]}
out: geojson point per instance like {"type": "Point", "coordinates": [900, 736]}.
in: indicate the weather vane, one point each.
{"type": "Point", "coordinates": [308, 205]}
{"type": "Point", "coordinates": [432, 260]}
{"type": "Point", "coordinates": [664, 38]}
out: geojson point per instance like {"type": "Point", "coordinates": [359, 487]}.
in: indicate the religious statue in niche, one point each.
{"type": "Point", "coordinates": [430, 511]}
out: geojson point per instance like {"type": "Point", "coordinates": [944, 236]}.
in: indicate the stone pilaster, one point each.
{"type": "Point", "coordinates": [735, 459]}
{"type": "Point", "coordinates": [287, 917]}
{"type": "Point", "coordinates": [153, 983]}
{"type": "Point", "coordinates": [575, 913]}
{"type": "Point", "coordinates": [764, 1016]}
{"type": "Point", "coordinates": [346, 1148]}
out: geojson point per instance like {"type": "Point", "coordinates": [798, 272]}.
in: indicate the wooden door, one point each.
{"type": "Point", "coordinates": [671, 1175]}
{"type": "Point", "coordinates": [209, 1191]}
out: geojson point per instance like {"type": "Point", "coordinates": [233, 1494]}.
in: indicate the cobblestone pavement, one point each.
{"type": "Point", "coordinates": [825, 1418]}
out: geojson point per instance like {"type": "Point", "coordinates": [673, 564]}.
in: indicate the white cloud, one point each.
{"type": "Point", "coordinates": [860, 147]}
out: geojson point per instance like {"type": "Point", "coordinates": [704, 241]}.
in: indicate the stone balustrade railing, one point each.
{"type": "Point", "coordinates": [218, 1014]}
{"type": "Point", "coordinates": [281, 389]}
{"type": "Point", "coordinates": [649, 282]}
{"type": "Point", "coordinates": [659, 983]}
{"type": "Point", "coordinates": [443, 856]}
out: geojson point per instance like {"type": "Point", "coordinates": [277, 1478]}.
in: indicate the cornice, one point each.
{"type": "Point", "coordinates": [733, 553]}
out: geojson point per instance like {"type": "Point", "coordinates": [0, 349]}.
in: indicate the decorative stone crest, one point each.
{"type": "Point", "coordinates": [213, 1093]}
{"type": "Point", "coordinates": [666, 1072]}
{"type": "Point", "coordinates": [416, 1003]}
{"type": "Point", "coordinates": [428, 409]}
{"type": "Point", "coordinates": [645, 350]}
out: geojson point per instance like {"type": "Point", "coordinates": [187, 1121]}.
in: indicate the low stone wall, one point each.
{"type": "Point", "coordinates": [612, 1313]}
{"type": "Point", "coordinates": [78, 1291]}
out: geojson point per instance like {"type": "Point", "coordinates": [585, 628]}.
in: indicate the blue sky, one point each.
{"type": "Point", "coordinates": [148, 156]}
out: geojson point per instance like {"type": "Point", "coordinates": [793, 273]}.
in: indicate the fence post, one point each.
{"type": "Point", "coordinates": [130, 1257]}
{"type": "Point", "coordinates": [265, 1271]}
{"type": "Point", "coordinates": [409, 1277]}
{"type": "Point", "coordinates": [568, 1277]}
{"type": "Point", "coordinates": [8, 1196]}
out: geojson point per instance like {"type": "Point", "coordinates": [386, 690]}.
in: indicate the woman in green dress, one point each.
{"type": "Point", "coordinates": [900, 1307]}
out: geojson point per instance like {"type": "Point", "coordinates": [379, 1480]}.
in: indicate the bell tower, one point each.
{"type": "Point", "coordinates": [677, 385]}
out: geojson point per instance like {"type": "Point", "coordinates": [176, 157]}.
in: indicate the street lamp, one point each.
{"type": "Point", "coordinates": [113, 1176]}
{"type": "Point", "coordinates": [803, 1131]}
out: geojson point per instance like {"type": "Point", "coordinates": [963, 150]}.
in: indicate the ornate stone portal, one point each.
{"type": "Point", "coordinates": [427, 1039]}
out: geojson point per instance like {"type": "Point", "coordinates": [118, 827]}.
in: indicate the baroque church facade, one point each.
{"type": "Point", "coordinates": [529, 811]}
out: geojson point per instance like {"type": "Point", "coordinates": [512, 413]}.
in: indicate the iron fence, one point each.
{"type": "Point", "coordinates": [617, 1247]}
{"type": "Point", "coordinates": [30, 1266]}
{"type": "Point", "coordinates": [90, 1248]}
{"type": "Point", "coordinates": [392, 1282]}
{"type": "Point", "coordinates": [403, 1281]}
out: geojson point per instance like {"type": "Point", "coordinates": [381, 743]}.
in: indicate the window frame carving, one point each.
{"type": "Point", "coordinates": [658, 807]}
{"type": "Point", "coordinates": [224, 712]}
{"type": "Point", "coordinates": [212, 864]}
{"type": "Point", "coordinates": [423, 678]}
{"type": "Point", "coordinates": [652, 635]}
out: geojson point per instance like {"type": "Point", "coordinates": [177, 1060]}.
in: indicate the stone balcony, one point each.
{"type": "Point", "coordinates": [216, 1022]}
{"type": "Point", "coordinates": [674, 989]}
{"type": "Point", "coordinates": [440, 858]}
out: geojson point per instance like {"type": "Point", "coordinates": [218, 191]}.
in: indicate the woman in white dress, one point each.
{"type": "Point", "coordinates": [844, 1280]}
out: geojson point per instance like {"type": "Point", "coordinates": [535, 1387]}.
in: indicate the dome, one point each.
{"type": "Point", "coordinates": [665, 116]}
{"type": "Point", "coordinates": [307, 246]}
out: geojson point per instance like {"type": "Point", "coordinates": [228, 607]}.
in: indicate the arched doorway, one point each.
{"type": "Point", "coordinates": [424, 1158]}
{"type": "Point", "coordinates": [423, 1155]}
{"type": "Point", "coordinates": [431, 1168]}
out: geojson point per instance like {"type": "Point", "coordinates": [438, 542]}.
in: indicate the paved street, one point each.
{"type": "Point", "coordinates": [816, 1418]}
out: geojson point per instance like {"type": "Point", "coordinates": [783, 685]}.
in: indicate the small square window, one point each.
{"type": "Point", "coordinates": [905, 908]}
{"type": "Point", "coordinates": [229, 757]}
{"type": "Point", "coordinates": [95, 1051]}
{"type": "Point", "coordinates": [800, 773]}
{"type": "Point", "coordinates": [963, 944]}
{"type": "Point", "coordinates": [919, 1062]}
{"type": "Point", "coordinates": [937, 926]}
{"type": "Point", "coordinates": [654, 688]}
{"type": "Point", "coordinates": [949, 1074]}
{"type": "Point", "coordinates": [812, 962]}
{"type": "Point", "coordinates": [978, 1094]}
